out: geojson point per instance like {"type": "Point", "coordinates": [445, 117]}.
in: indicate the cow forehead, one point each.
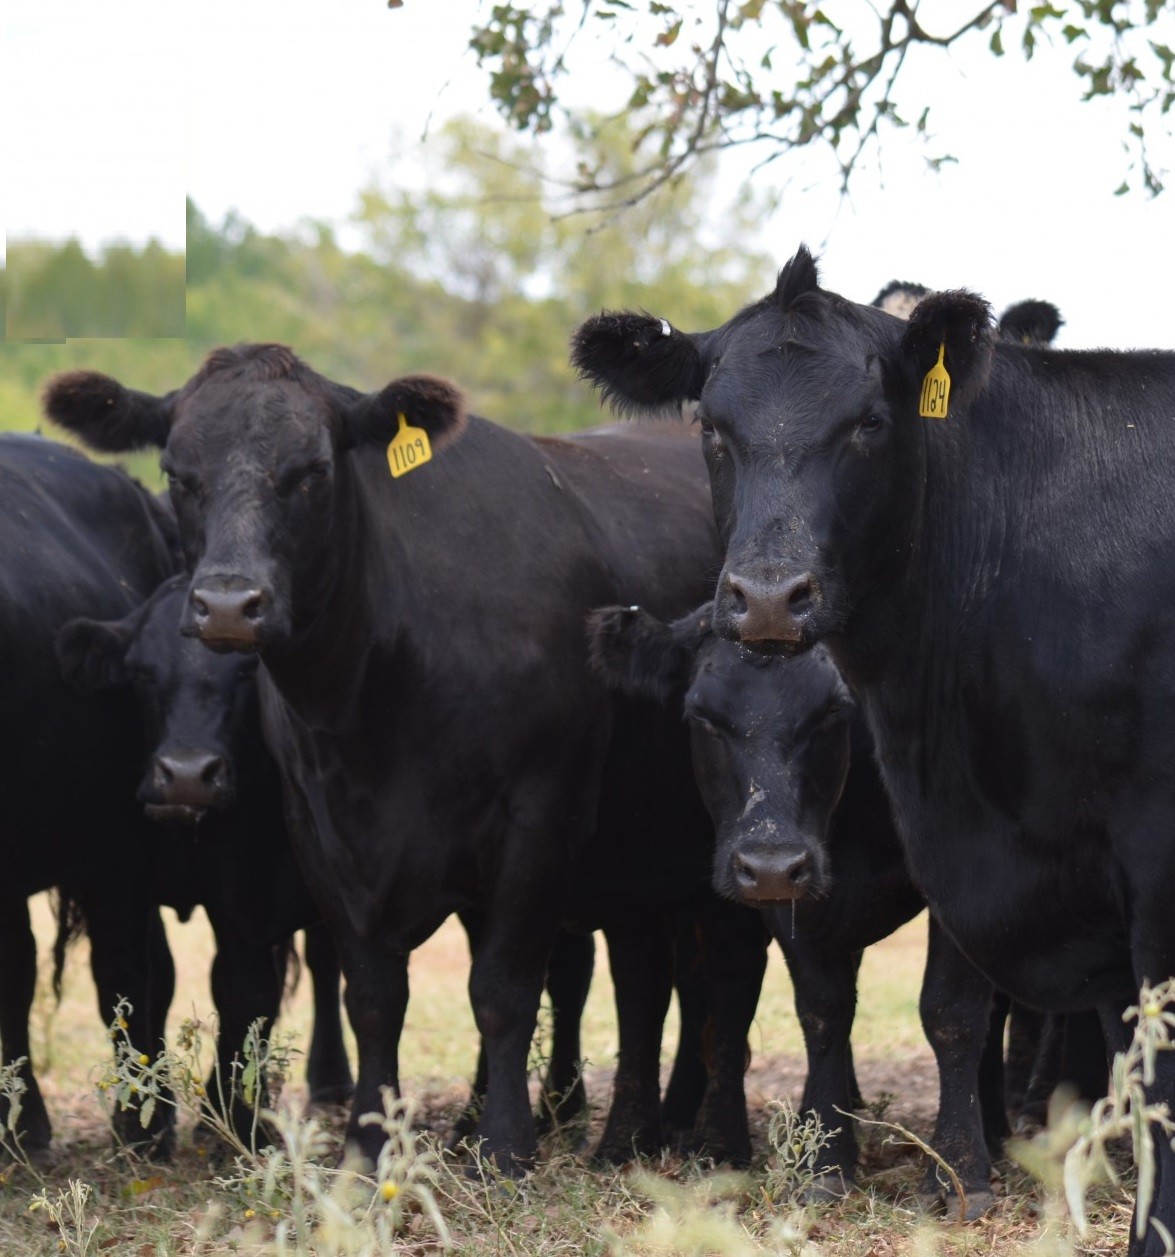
{"type": "Point", "coordinates": [267, 420]}
{"type": "Point", "coordinates": [785, 365]}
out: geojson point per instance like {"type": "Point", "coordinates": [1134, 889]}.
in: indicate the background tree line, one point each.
{"type": "Point", "coordinates": [467, 275]}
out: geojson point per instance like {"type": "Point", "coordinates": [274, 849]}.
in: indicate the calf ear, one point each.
{"type": "Point", "coordinates": [634, 653]}
{"type": "Point", "coordinates": [106, 415]}
{"type": "Point", "coordinates": [638, 363]}
{"type": "Point", "coordinates": [1031, 322]}
{"type": "Point", "coordinates": [92, 653]}
{"type": "Point", "coordinates": [424, 401]}
{"type": "Point", "coordinates": [960, 322]}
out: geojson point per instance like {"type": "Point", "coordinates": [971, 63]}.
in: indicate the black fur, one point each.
{"type": "Point", "coordinates": [426, 401]}
{"type": "Point", "coordinates": [635, 653]}
{"type": "Point", "coordinates": [106, 415]}
{"type": "Point", "coordinates": [1031, 322]}
{"type": "Point", "coordinates": [636, 367]}
{"type": "Point", "coordinates": [962, 321]}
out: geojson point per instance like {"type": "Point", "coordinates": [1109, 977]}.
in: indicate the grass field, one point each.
{"type": "Point", "coordinates": [566, 1206]}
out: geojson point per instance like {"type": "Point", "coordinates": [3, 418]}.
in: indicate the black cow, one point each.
{"type": "Point", "coordinates": [78, 539]}
{"type": "Point", "coordinates": [786, 768]}
{"type": "Point", "coordinates": [991, 579]}
{"type": "Point", "coordinates": [207, 778]}
{"type": "Point", "coordinates": [416, 581]}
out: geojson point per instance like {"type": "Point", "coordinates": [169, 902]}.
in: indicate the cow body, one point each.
{"type": "Point", "coordinates": [804, 830]}
{"type": "Point", "coordinates": [995, 585]}
{"type": "Point", "coordinates": [214, 790]}
{"type": "Point", "coordinates": [425, 687]}
{"type": "Point", "coordinates": [78, 539]}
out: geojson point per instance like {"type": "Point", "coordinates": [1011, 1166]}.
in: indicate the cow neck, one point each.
{"type": "Point", "coordinates": [319, 671]}
{"type": "Point", "coordinates": [903, 650]}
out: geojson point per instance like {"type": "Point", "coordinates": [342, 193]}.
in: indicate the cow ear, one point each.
{"type": "Point", "coordinates": [638, 363]}
{"type": "Point", "coordinates": [92, 653]}
{"type": "Point", "coordinates": [960, 324]}
{"type": "Point", "coordinates": [105, 415]}
{"type": "Point", "coordinates": [418, 401]}
{"type": "Point", "coordinates": [1031, 322]}
{"type": "Point", "coordinates": [634, 653]}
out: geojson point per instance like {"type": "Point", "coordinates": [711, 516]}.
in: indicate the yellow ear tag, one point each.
{"type": "Point", "coordinates": [408, 449]}
{"type": "Point", "coordinates": [936, 389]}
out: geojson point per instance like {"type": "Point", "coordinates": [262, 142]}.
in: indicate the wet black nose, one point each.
{"type": "Point", "coordinates": [768, 610]}
{"type": "Point", "coordinates": [228, 614]}
{"type": "Point", "coordinates": [762, 876]}
{"type": "Point", "coordinates": [191, 778]}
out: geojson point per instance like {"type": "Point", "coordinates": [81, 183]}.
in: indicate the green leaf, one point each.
{"type": "Point", "coordinates": [997, 42]}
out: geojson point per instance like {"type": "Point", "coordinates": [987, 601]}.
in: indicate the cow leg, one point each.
{"type": "Point", "coordinates": [641, 961]}
{"type": "Point", "coordinates": [130, 958]}
{"type": "Point", "coordinates": [825, 985]}
{"type": "Point", "coordinates": [993, 1108]}
{"type": "Point", "coordinates": [376, 998]}
{"type": "Point", "coordinates": [687, 1081]}
{"type": "Point", "coordinates": [505, 987]}
{"type": "Point", "coordinates": [328, 1071]}
{"type": "Point", "coordinates": [18, 964]}
{"type": "Point", "coordinates": [470, 1115]}
{"type": "Point", "coordinates": [734, 959]}
{"type": "Point", "coordinates": [1026, 1030]}
{"type": "Point", "coordinates": [569, 977]}
{"type": "Point", "coordinates": [955, 1007]}
{"type": "Point", "coordinates": [246, 986]}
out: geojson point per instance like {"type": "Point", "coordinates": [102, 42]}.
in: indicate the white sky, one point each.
{"type": "Point", "coordinates": [281, 109]}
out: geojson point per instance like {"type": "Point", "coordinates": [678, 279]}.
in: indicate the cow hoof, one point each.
{"type": "Point", "coordinates": [946, 1204]}
{"type": "Point", "coordinates": [825, 1188]}
{"type": "Point", "coordinates": [332, 1095]}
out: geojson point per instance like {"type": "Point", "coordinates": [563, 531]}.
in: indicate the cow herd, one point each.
{"type": "Point", "coordinates": [895, 631]}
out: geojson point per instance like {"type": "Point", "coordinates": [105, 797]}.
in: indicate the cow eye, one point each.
{"type": "Point", "coordinates": [871, 424]}
{"type": "Point", "coordinates": [179, 484]}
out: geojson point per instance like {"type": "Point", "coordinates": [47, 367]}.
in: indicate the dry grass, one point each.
{"type": "Point", "coordinates": [566, 1206]}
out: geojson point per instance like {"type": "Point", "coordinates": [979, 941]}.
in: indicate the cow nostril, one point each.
{"type": "Point", "coordinates": [746, 873]}
{"type": "Point", "coordinates": [199, 606]}
{"type": "Point", "coordinates": [163, 773]}
{"type": "Point", "coordinates": [800, 869]}
{"type": "Point", "coordinates": [212, 773]}
{"type": "Point", "coordinates": [799, 598]}
{"type": "Point", "coordinates": [738, 596]}
{"type": "Point", "coordinates": [252, 607]}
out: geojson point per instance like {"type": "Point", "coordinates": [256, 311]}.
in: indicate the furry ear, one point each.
{"type": "Point", "coordinates": [1031, 322]}
{"type": "Point", "coordinates": [106, 415]}
{"type": "Point", "coordinates": [634, 653]}
{"type": "Point", "coordinates": [92, 653]}
{"type": "Point", "coordinates": [425, 401]}
{"type": "Point", "coordinates": [798, 276]}
{"type": "Point", "coordinates": [960, 321]}
{"type": "Point", "coordinates": [639, 364]}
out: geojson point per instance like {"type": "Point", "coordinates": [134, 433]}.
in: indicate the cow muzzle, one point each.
{"type": "Point", "coordinates": [182, 786]}
{"type": "Point", "coordinates": [766, 612]}
{"type": "Point", "coordinates": [227, 613]}
{"type": "Point", "coordinates": [775, 876]}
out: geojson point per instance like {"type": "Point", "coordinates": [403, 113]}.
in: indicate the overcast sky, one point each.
{"type": "Point", "coordinates": [281, 109]}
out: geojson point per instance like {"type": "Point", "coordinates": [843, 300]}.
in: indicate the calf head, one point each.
{"type": "Point", "coordinates": [808, 407]}
{"type": "Point", "coordinates": [769, 738]}
{"type": "Point", "coordinates": [254, 447]}
{"type": "Point", "coordinates": [199, 709]}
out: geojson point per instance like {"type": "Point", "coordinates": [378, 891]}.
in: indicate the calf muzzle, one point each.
{"type": "Point", "coordinates": [182, 786]}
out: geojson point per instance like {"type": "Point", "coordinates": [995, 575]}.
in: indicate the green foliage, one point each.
{"type": "Point", "coordinates": [56, 291]}
{"type": "Point", "coordinates": [784, 76]}
{"type": "Point", "coordinates": [475, 277]}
